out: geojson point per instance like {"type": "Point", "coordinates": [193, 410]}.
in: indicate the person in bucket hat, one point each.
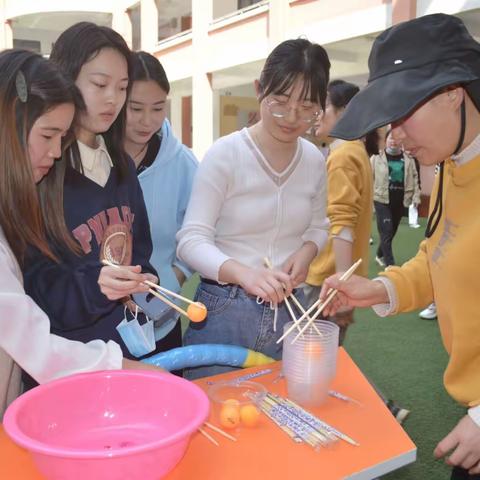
{"type": "Point", "coordinates": [425, 81]}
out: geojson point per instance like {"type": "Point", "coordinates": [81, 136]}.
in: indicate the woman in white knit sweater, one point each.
{"type": "Point", "coordinates": [258, 193]}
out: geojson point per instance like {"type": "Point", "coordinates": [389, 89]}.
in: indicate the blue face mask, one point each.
{"type": "Point", "coordinates": [139, 339]}
{"type": "Point", "coordinates": [163, 316]}
{"type": "Point", "coordinates": [394, 150]}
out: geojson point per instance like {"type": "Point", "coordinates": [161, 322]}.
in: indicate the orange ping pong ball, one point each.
{"type": "Point", "coordinates": [230, 414]}
{"type": "Point", "coordinates": [313, 349]}
{"type": "Point", "coordinates": [197, 312]}
{"type": "Point", "coordinates": [249, 415]}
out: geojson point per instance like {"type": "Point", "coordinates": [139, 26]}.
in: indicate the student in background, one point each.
{"type": "Point", "coordinates": [260, 192]}
{"type": "Point", "coordinates": [349, 206]}
{"type": "Point", "coordinates": [395, 187]}
{"type": "Point", "coordinates": [35, 95]}
{"type": "Point", "coordinates": [165, 170]}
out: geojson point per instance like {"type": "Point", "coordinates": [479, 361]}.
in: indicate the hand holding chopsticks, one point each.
{"type": "Point", "coordinates": [296, 322]}
{"type": "Point", "coordinates": [196, 311]}
{"type": "Point", "coordinates": [319, 305]}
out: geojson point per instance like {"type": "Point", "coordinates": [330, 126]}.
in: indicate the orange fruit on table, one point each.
{"type": "Point", "coordinates": [249, 415]}
{"type": "Point", "coordinates": [230, 415]}
{"type": "Point", "coordinates": [197, 312]}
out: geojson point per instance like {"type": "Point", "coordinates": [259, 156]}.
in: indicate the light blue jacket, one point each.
{"type": "Point", "coordinates": [166, 186]}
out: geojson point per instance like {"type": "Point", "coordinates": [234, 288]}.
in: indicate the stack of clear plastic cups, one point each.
{"type": "Point", "coordinates": [310, 363]}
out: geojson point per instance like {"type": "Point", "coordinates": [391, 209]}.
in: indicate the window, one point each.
{"type": "Point", "coordinates": [246, 3]}
{"type": "Point", "coordinates": [33, 45]}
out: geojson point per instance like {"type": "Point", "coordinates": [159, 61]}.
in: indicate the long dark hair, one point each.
{"type": "Point", "coordinates": [30, 86]}
{"type": "Point", "coordinates": [148, 67]}
{"type": "Point", "coordinates": [293, 59]}
{"type": "Point", "coordinates": [78, 45]}
{"type": "Point", "coordinates": [340, 93]}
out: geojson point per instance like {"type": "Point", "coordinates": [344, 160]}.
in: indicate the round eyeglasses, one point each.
{"type": "Point", "coordinates": [306, 114]}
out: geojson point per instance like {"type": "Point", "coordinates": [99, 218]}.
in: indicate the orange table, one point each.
{"type": "Point", "coordinates": [265, 452]}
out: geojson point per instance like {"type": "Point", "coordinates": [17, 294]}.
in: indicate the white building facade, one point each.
{"type": "Point", "coordinates": [212, 50]}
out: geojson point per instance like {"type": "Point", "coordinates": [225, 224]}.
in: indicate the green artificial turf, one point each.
{"type": "Point", "coordinates": [404, 357]}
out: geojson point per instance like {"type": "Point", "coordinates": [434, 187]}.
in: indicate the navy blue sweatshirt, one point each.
{"type": "Point", "coordinates": [105, 219]}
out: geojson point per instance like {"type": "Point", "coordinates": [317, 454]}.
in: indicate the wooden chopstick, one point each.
{"type": "Point", "coordinates": [296, 321]}
{"type": "Point", "coordinates": [168, 302]}
{"type": "Point", "coordinates": [168, 292]}
{"type": "Point", "coordinates": [152, 291]}
{"type": "Point", "coordinates": [330, 295]}
{"type": "Point", "coordinates": [300, 307]}
{"type": "Point", "coordinates": [221, 432]}
{"type": "Point", "coordinates": [317, 303]}
{"type": "Point", "coordinates": [207, 435]}
{"type": "Point", "coordinates": [269, 265]}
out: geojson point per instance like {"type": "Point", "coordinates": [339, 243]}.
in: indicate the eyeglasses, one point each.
{"type": "Point", "coordinates": [306, 114]}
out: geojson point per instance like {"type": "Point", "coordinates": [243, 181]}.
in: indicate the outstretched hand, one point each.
{"type": "Point", "coordinates": [355, 292]}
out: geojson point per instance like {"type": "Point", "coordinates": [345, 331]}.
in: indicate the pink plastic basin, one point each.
{"type": "Point", "coordinates": [112, 425]}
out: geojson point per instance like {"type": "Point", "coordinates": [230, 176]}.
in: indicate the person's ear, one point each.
{"type": "Point", "coordinates": [258, 90]}
{"type": "Point", "coordinates": [455, 97]}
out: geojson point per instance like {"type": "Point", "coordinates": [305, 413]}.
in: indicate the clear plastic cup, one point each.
{"type": "Point", "coordinates": [309, 364]}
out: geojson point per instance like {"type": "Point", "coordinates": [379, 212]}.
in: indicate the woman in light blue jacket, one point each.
{"type": "Point", "coordinates": [165, 170]}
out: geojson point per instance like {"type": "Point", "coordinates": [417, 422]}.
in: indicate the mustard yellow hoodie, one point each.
{"type": "Point", "coordinates": [350, 192]}
{"type": "Point", "coordinates": [446, 268]}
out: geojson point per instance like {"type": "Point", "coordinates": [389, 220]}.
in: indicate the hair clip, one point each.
{"type": "Point", "coordinates": [21, 86]}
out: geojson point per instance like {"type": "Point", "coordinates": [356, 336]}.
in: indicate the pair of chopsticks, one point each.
{"type": "Point", "coordinates": [154, 292]}
{"type": "Point", "coordinates": [296, 322]}
{"type": "Point", "coordinates": [319, 305]}
{"type": "Point", "coordinates": [215, 429]}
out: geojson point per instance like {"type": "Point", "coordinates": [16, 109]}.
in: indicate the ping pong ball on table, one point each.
{"type": "Point", "coordinates": [197, 312]}
{"type": "Point", "coordinates": [249, 415]}
{"type": "Point", "coordinates": [230, 414]}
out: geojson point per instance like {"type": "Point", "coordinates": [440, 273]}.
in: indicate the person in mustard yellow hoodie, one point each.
{"type": "Point", "coordinates": [350, 200]}
{"type": "Point", "coordinates": [434, 112]}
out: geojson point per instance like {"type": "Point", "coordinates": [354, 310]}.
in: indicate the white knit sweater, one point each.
{"type": "Point", "coordinates": [241, 209]}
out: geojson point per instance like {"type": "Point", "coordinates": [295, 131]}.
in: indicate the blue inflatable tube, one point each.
{"type": "Point", "coordinates": [207, 354]}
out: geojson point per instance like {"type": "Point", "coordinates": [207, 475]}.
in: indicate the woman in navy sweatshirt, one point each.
{"type": "Point", "coordinates": [101, 199]}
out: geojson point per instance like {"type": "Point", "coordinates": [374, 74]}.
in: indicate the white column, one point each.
{"type": "Point", "coordinates": [202, 96]}
{"type": "Point", "coordinates": [176, 112]}
{"type": "Point", "coordinates": [122, 24]}
{"type": "Point", "coordinates": [148, 25]}
{"type": "Point", "coordinates": [277, 21]}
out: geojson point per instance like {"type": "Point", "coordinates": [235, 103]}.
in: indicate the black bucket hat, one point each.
{"type": "Point", "coordinates": [409, 63]}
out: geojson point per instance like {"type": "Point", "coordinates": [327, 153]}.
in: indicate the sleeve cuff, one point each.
{"type": "Point", "coordinates": [114, 356]}
{"type": "Point", "coordinates": [474, 414]}
{"type": "Point", "coordinates": [319, 239]}
{"type": "Point", "coordinates": [345, 233]}
{"type": "Point", "coordinates": [386, 309]}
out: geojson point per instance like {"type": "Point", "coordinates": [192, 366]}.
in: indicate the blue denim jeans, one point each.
{"type": "Point", "coordinates": [235, 318]}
